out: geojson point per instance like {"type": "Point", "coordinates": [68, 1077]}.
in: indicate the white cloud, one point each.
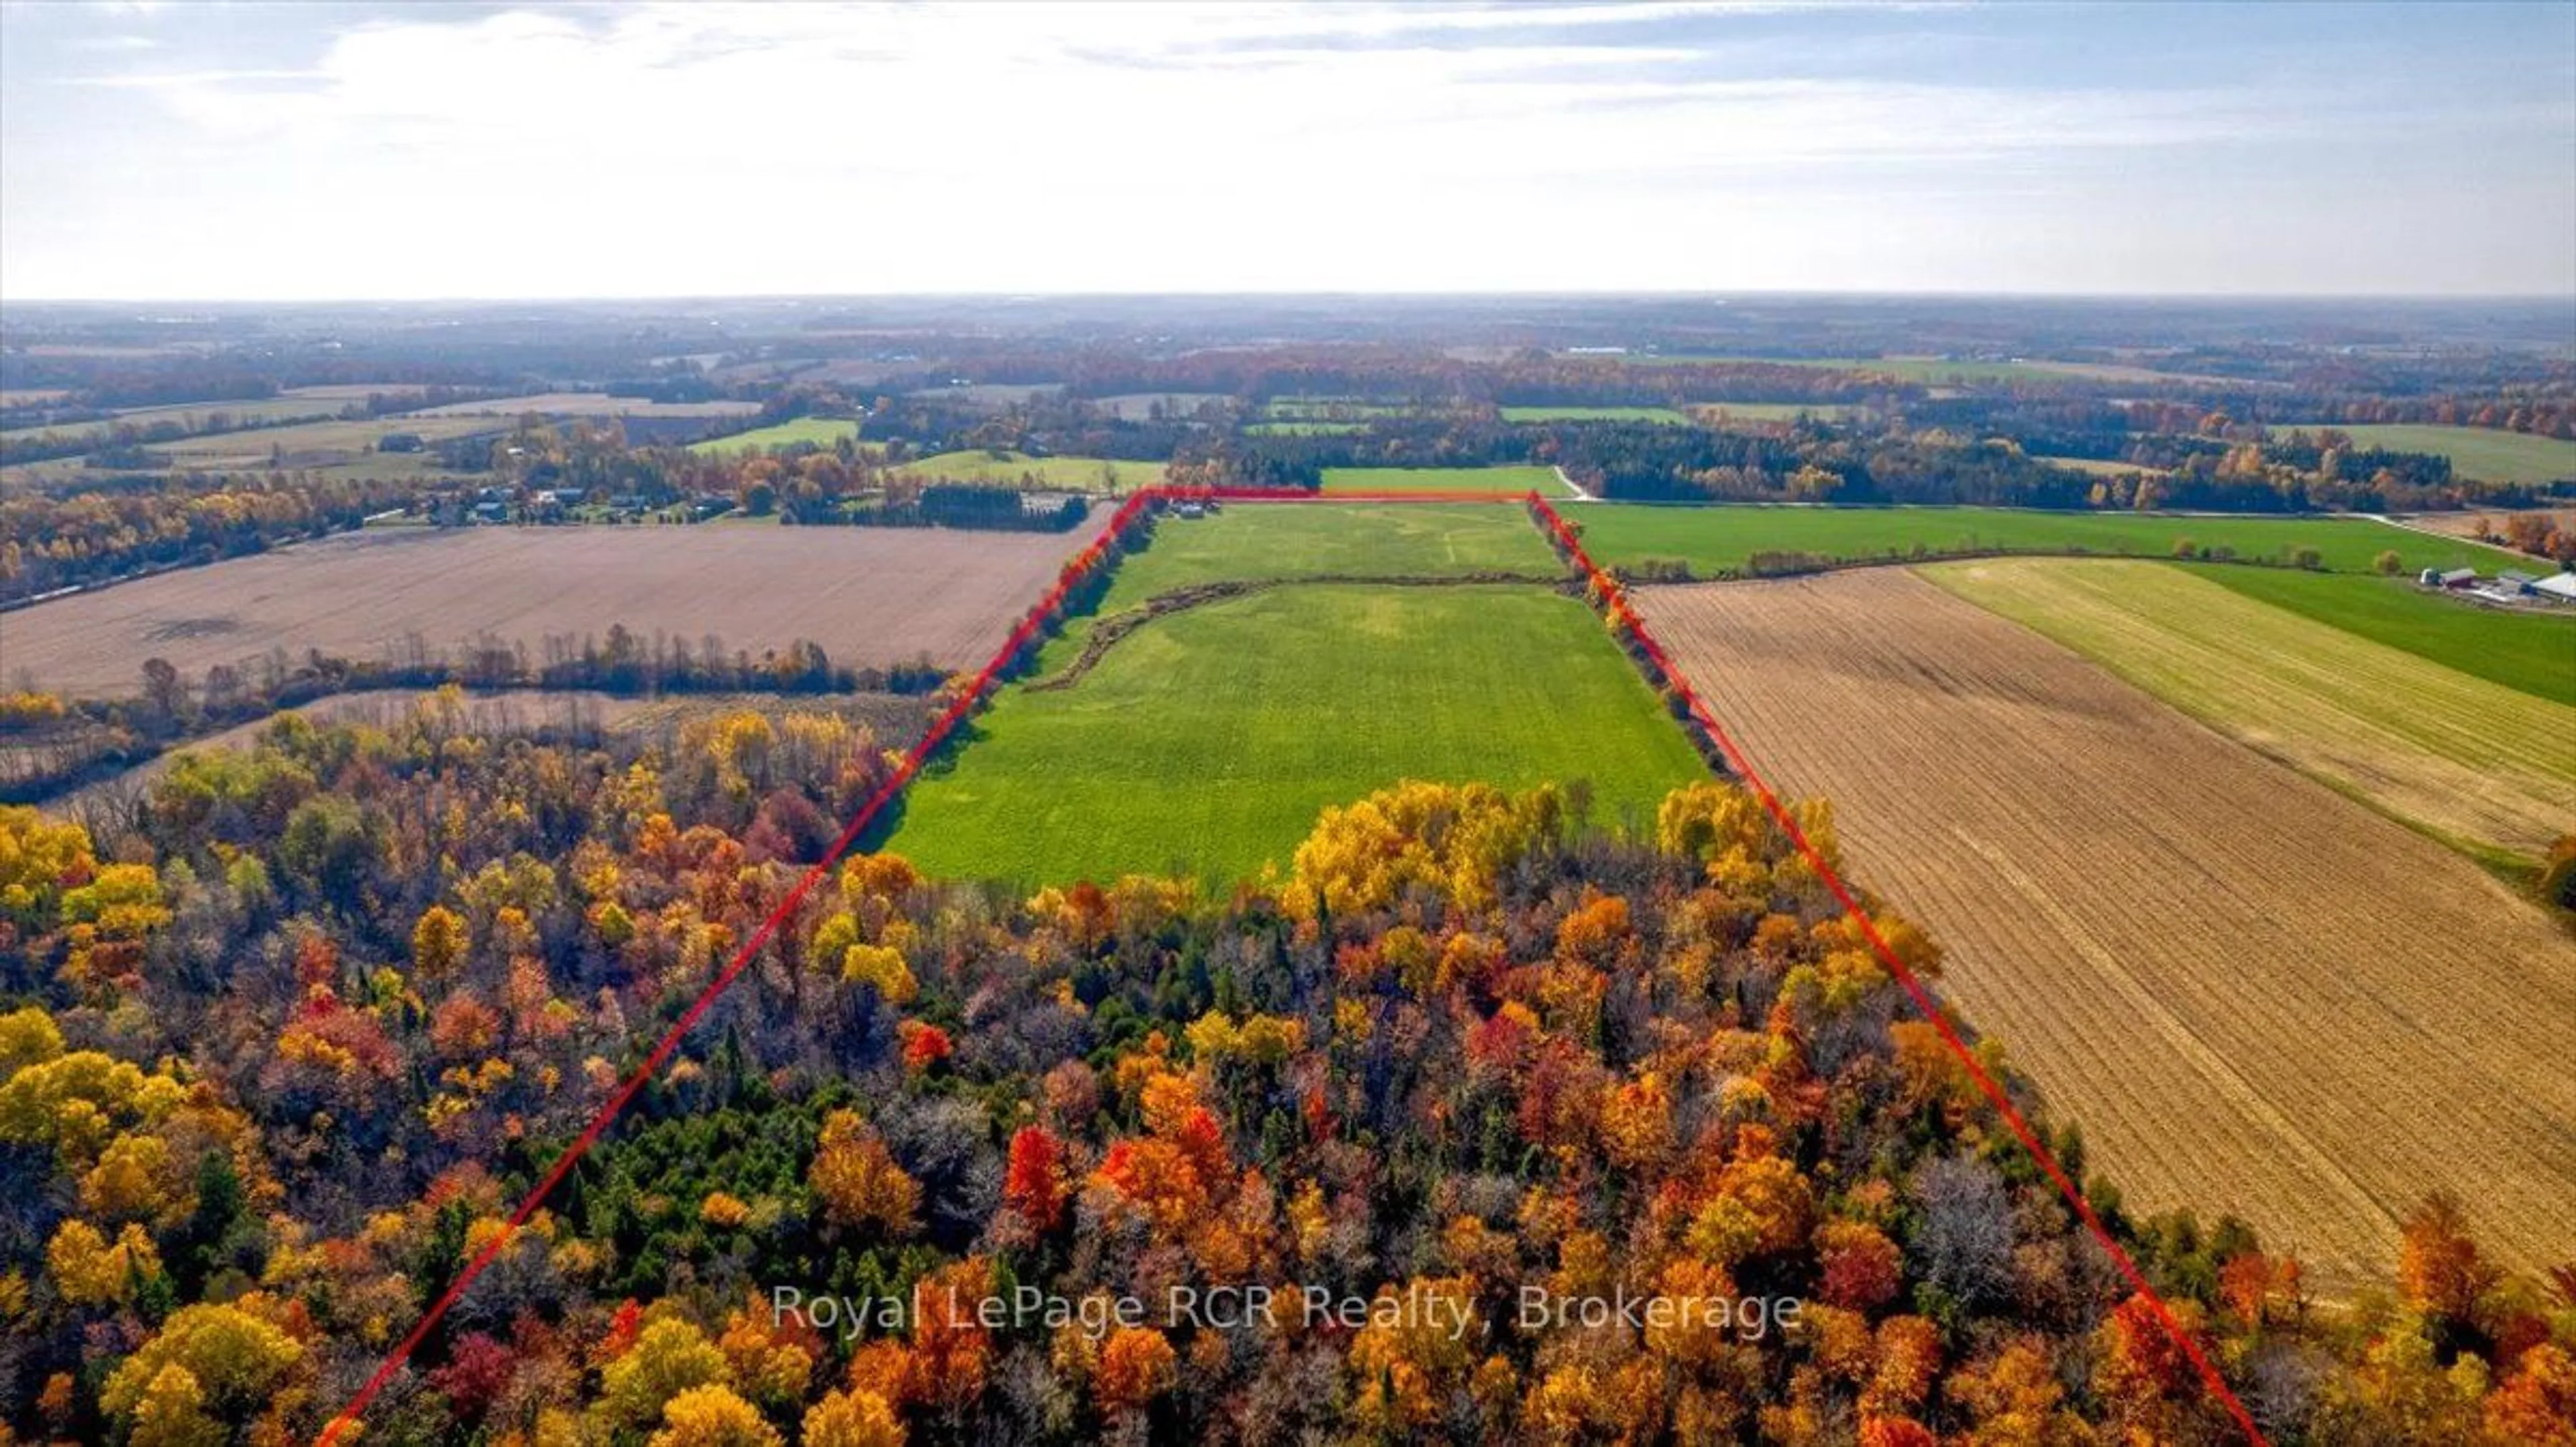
{"type": "Point", "coordinates": [1095, 146]}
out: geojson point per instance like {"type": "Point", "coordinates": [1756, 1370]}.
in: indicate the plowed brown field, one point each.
{"type": "Point", "coordinates": [2255, 995]}
{"type": "Point", "coordinates": [869, 596]}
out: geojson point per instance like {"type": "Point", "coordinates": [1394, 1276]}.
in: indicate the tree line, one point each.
{"type": "Point", "coordinates": [281, 1049]}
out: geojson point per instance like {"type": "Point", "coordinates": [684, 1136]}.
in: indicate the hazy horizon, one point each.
{"type": "Point", "coordinates": [370, 153]}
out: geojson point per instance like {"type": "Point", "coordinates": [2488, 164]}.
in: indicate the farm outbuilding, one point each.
{"type": "Point", "coordinates": [2557, 587]}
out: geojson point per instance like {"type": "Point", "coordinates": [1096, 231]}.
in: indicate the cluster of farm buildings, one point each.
{"type": "Point", "coordinates": [2507, 586]}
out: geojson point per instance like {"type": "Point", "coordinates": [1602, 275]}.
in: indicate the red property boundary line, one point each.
{"type": "Point", "coordinates": [1075, 572]}
{"type": "Point", "coordinates": [1615, 602]}
{"type": "Point", "coordinates": [1078, 570]}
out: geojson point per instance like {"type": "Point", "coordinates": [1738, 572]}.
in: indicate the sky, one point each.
{"type": "Point", "coordinates": [312, 151]}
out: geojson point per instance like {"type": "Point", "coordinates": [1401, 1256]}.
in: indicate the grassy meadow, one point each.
{"type": "Point", "coordinates": [1719, 541]}
{"type": "Point", "coordinates": [2477, 452]}
{"type": "Point", "coordinates": [821, 431]}
{"type": "Point", "coordinates": [2531, 652]}
{"type": "Point", "coordinates": [1009, 469]}
{"type": "Point", "coordinates": [1311, 539]}
{"type": "Point", "coordinates": [1206, 741]}
{"type": "Point", "coordinates": [1541, 480]}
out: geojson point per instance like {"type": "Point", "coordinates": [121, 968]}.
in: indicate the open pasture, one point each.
{"type": "Point", "coordinates": [1541, 480]}
{"type": "Point", "coordinates": [869, 596]}
{"type": "Point", "coordinates": [2471, 760]}
{"type": "Point", "coordinates": [820, 431]}
{"type": "Point", "coordinates": [1343, 540]}
{"type": "Point", "coordinates": [1015, 469]}
{"type": "Point", "coordinates": [315, 444]}
{"type": "Point", "coordinates": [1719, 541]}
{"type": "Point", "coordinates": [587, 404]}
{"type": "Point", "coordinates": [194, 416]}
{"type": "Point", "coordinates": [2529, 649]}
{"type": "Point", "coordinates": [2482, 453]}
{"type": "Point", "coordinates": [2256, 996]}
{"type": "Point", "coordinates": [1205, 741]}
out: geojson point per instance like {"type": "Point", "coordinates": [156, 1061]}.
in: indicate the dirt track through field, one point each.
{"type": "Point", "coordinates": [869, 596]}
{"type": "Point", "coordinates": [2255, 995]}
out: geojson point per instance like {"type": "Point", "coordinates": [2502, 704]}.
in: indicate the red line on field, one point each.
{"type": "Point", "coordinates": [1614, 599]}
{"type": "Point", "coordinates": [1075, 571]}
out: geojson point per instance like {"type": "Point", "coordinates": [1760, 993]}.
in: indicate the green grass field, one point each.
{"type": "Point", "coordinates": [1206, 741]}
{"type": "Point", "coordinates": [1309, 540]}
{"type": "Point", "coordinates": [2477, 452]}
{"type": "Point", "coordinates": [1595, 414]}
{"type": "Point", "coordinates": [821, 431]}
{"type": "Point", "coordinates": [1073, 474]}
{"type": "Point", "coordinates": [2534, 653]}
{"type": "Point", "coordinates": [1717, 541]}
{"type": "Point", "coordinates": [1541, 480]}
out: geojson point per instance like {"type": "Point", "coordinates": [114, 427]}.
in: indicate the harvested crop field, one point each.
{"type": "Point", "coordinates": [869, 596]}
{"type": "Point", "coordinates": [2478, 763]}
{"type": "Point", "coordinates": [2255, 995]}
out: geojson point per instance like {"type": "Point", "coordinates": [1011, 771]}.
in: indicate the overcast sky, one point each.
{"type": "Point", "coordinates": [330, 152]}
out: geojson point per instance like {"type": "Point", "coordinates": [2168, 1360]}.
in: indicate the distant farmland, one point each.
{"type": "Point", "coordinates": [293, 404]}
{"type": "Point", "coordinates": [1541, 480]}
{"type": "Point", "coordinates": [821, 431]}
{"type": "Point", "coordinates": [1012, 469]}
{"type": "Point", "coordinates": [2479, 452]}
{"type": "Point", "coordinates": [1721, 540]}
{"type": "Point", "coordinates": [2472, 760]}
{"type": "Point", "coordinates": [315, 444]}
{"type": "Point", "coordinates": [869, 596]}
{"type": "Point", "coordinates": [587, 404]}
{"type": "Point", "coordinates": [2532, 649]}
{"type": "Point", "coordinates": [1205, 741]}
{"type": "Point", "coordinates": [2256, 996]}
